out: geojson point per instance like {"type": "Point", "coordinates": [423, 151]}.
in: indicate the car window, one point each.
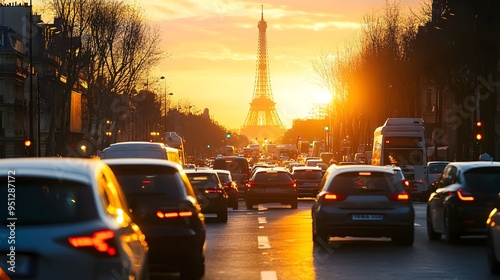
{"type": "Point", "coordinates": [308, 174]}
{"type": "Point", "coordinates": [233, 165]}
{"type": "Point", "coordinates": [161, 182]}
{"type": "Point", "coordinates": [271, 177]}
{"type": "Point", "coordinates": [483, 180]}
{"type": "Point", "coordinates": [436, 168]}
{"type": "Point", "coordinates": [353, 183]}
{"type": "Point", "coordinates": [45, 201]}
{"type": "Point", "coordinates": [203, 180]}
{"type": "Point", "coordinates": [449, 176]}
{"type": "Point", "coordinates": [224, 177]}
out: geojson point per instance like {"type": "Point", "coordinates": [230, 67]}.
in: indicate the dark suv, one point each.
{"type": "Point", "coordinates": [164, 205]}
{"type": "Point", "coordinates": [240, 170]}
{"type": "Point", "coordinates": [462, 199]}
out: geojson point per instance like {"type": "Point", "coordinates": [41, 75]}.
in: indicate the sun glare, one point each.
{"type": "Point", "coordinates": [323, 97]}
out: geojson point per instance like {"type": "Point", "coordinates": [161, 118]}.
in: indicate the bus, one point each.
{"type": "Point", "coordinates": [173, 140]}
{"type": "Point", "coordinates": [401, 142]}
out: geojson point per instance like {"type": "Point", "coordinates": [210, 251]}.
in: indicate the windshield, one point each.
{"type": "Point", "coordinates": [483, 180]}
{"type": "Point", "coordinates": [404, 156]}
{"type": "Point", "coordinates": [45, 201]}
{"type": "Point", "coordinates": [162, 182]}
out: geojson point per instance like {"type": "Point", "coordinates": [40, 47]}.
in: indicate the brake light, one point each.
{"type": "Point", "coordinates": [100, 240]}
{"type": "Point", "coordinates": [464, 195]}
{"type": "Point", "coordinates": [402, 196]}
{"type": "Point", "coordinates": [293, 184]}
{"type": "Point", "coordinates": [405, 183]}
{"type": "Point", "coordinates": [177, 214]}
{"type": "Point", "coordinates": [251, 184]}
{"type": "Point", "coordinates": [213, 191]}
{"type": "Point", "coordinates": [334, 197]}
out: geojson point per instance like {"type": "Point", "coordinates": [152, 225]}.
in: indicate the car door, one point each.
{"type": "Point", "coordinates": [440, 195]}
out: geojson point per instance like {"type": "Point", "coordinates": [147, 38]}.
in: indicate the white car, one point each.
{"type": "Point", "coordinates": [67, 219]}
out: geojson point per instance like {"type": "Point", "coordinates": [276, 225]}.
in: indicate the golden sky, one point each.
{"type": "Point", "coordinates": [212, 47]}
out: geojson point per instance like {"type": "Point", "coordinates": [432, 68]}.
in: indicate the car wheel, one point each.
{"type": "Point", "coordinates": [406, 238]}
{"type": "Point", "coordinates": [294, 204]}
{"type": "Point", "coordinates": [249, 206]}
{"type": "Point", "coordinates": [194, 270]}
{"type": "Point", "coordinates": [319, 237]}
{"type": "Point", "coordinates": [433, 235]}
{"type": "Point", "coordinates": [222, 215]}
{"type": "Point", "coordinates": [450, 235]}
{"type": "Point", "coordinates": [493, 263]}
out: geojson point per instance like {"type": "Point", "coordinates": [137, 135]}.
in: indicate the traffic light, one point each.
{"type": "Point", "coordinates": [479, 132]}
{"type": "Point", "coordinates": [228, 135]}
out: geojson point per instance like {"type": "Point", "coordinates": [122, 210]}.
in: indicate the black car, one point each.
{"type": "Point", "coordinates": [239, 167]}
{"type": "Point", "coordinates": [209, 192]}
{"type": "Point", "coordinates": [462, 199]}
{"type": "Point", "coordinates": [230, 186]}
{"type": "Point", "coordinates": [362, 201]}
{"type": "Point", "coordinates": [307, 179]}
{"type": "Point", "coordinates": [269, 185]}
{"type": "Point", "coordinates": [163, 204]}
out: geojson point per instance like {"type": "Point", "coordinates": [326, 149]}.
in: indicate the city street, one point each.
{"type": "Point", "coordinates": [274, 242]}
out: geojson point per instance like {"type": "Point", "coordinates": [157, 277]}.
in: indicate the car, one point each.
{"type": "Point", "coordinates": [307, 179]}
{"type": "Point", "coordinates": [163, 203]}
{"type": "Point", "coordinates": [464, 196]}
{"type": "Point", "coordinates": [209, 191]}
{"type": "Point", "coordinates": [493, 241]}
{"type": "Point", "coordinates": [313, 162]}
{"type": "Point", "coordinates": [362, 201]}
{"type": "Point", "coordinates": [239, 167]}
{"type": "Point", "coordinates": [229, 186]}
{"type": "Point", "coordinates": [269, 185]}
{"type": "Point", "coordinates": [70, 220]}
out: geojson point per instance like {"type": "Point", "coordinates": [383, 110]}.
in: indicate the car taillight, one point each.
{"type": "Point", "coordinates": [251, 184]}
{"type": "Point", "coordinates": [214, 191]}
{"type": "Point", "coordinates": [464, 195]}
{"type": "Point", "coordinates": [334, 197]}
{"type": "Point", "coordinates": [402, 196]}
{"type": "Point", "coordinates": [405, 183]}
{"type": "Point", "coordinates": [102, 241]}
{"type": "Point", "coordinates": [293, 184]}
{"type": "Point", "coordinates": [173, 214]}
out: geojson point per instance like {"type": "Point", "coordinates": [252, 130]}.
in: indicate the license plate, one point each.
{"type": "Point", "coordinates": [366, 217]}
{"type": "Point", "coordinates": [22, 265]}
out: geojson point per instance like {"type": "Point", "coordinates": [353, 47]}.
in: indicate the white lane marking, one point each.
{"type": "Point", "coordinates": [268, 275]}
{"type": "Point", "coordinates": [263, 242]}
{"type": "Point", "coordinates": [417, 225]}
{"type": "Point", "coordinates": [262, 220]}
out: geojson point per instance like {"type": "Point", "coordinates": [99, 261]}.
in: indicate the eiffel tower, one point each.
{"type": "Point", "coordinates": [262, 122]}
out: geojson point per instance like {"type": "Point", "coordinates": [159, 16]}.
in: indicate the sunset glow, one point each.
{"type": "Point", "coordinates": [212, 48]}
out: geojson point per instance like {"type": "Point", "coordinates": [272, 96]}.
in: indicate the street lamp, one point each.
{"type": "Point", "coordinates": [165, 102]}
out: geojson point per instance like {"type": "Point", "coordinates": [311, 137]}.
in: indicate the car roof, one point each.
{"type": "Point", "coordinates": [306, 168]}
{"type": "Point", "coordinates": [76, 169]}
{"type": "Point", "coordinates": [464, 166]}
{"type": "Point", "coordinates": [437, 162]}
{"type": "Point", "coordinates": [338, 169]}
{"type": "Point", "coordinates": [141, 161]}
{"type": "Point", "coordinates": [202, 170]}
{"type": "Point", "coordinates": [222, 171]}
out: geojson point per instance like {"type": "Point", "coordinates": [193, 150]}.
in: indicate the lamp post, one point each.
{"type": "Point", "coordinates": [165, 102]}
